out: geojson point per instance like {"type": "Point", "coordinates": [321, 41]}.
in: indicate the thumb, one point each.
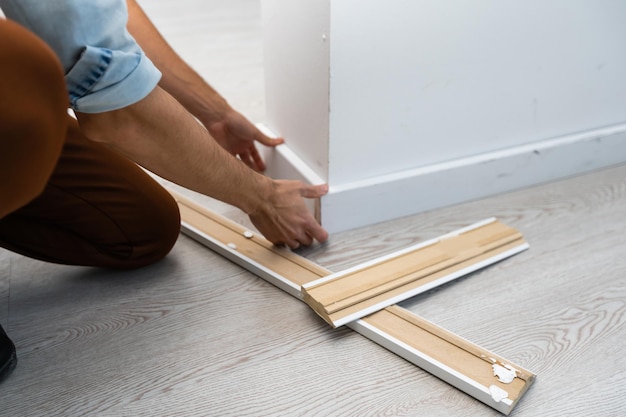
{"type": "Point", "coordinates": [314, 191]}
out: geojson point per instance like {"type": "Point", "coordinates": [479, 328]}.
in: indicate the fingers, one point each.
{"type": "Point", "coordinates": [311, 232]}
{"type": "Point", "coordinates": [314, 191]}
{"type": "Point", "coordinates": [256, 160]}
{"type": "Point", "coordinates": [266, 140]}
{"type": "Point", "coordinates": [284, 218]}
{"type": "Point", "coordinates": [296, 238]}
{"type": "Point", "coordinates": [303, 241]}
{"type": "Point", "coordinates": [314, 231]}
{"type": "Point", "coordinates": [294, 245]}
{"type": "Point", "coordinates": [252, 159]}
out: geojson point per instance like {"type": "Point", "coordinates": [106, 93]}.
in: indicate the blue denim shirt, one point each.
{"type": "Point", "coordinates": [105, 69]}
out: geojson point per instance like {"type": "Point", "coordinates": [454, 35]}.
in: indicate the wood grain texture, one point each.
{"type": "Point", "coordinates": [196, 335]}
{"type": "Point", "coordinates": [351, 294]}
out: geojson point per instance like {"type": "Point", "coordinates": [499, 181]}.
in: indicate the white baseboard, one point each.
{"type": "Point", "coordinates": [417, 190]}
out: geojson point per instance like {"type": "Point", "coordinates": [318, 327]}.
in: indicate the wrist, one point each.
{"type": "Point", "coordinates": [197, 96]}
{"type": "Point", "coordinates": [262, 193]}
{"type": "Point", "coordinates": [208, 105]}
{"type": "Point", "coordinates": [213, 110]}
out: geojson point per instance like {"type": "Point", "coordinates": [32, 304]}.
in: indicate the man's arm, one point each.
{"type": "Point", "coordinates": [278, 213]}
{"type": "Point", "coordinates": [231, 130]}
{"type": "Point", "coordinates": [117, 101]}
{"type": "Point", "coordinates": [159, 134]}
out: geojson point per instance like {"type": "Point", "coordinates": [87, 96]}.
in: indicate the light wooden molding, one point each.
{"type": "Point", "coordinates": [451, 358]}
{"type": "Point", "coordinates": [349, 295]}
{"type": "Point", "coordinates": [461, 363]}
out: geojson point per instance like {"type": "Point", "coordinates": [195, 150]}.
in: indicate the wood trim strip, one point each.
{"type": "Point", "coordinates": [451, 358]}
{"type": "Point", "coordinates": [459, 362]}
{"type": "Point", "coordinates": [247, 249]}
{"type": "Point", "coordinates": [349, 295]}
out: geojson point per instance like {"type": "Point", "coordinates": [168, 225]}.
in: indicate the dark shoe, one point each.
{"type": "Point", "coordinates": [8, 358]}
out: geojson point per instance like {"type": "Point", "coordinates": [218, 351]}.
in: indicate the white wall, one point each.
{"type": "Point", "coordinates": [409, 105]}
{"type": "Point", "coordinates": [420, 82]}
{"type": "Point", "coordinates": [296, 51]}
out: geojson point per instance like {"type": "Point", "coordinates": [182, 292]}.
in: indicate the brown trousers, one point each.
{"type": "Point", "coordinates": [64, 198]}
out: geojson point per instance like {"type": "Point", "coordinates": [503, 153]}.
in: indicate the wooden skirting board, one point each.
{"type": "Point", "coordinates": [464, 365]}
{"type": "Point", "coordinates": [349, 295]}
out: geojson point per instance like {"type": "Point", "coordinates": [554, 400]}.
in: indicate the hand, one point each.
{"type": "Point", "coordinates": [237, 135]}
{"type": "Point", "coordinates": [284, 218]}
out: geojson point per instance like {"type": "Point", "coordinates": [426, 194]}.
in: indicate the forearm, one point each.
{"type": "Point", "coordinates": [158, 129]}
{"type": "Point", "coordinates": [160, 135]}
{"type": "Point", "coordinates": [178, 79]}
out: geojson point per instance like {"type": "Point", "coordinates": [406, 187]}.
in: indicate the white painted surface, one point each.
{"type": "Point", "coordinates": [431, 103]}
{"type": "Point", "coordinates": [497, 393]}
{"type": "Point", "coordinates": [412, 191]}
{"type": "Point", "coordinates": [505, 374]}
{"type": "Point", "coordinates": [415, 83]}
{"type": "Point", "coordinates": [296, 60]}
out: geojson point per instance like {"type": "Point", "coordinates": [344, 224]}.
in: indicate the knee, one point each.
{"type": "Point", "coordinates": [161, 230]}
{"type": "Point", "coordinates": [168, 227]}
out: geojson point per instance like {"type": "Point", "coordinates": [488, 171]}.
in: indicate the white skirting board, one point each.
{"type": "Point", "coordinates": [383, 198]}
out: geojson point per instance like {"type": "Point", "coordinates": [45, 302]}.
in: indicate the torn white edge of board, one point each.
{"type": "Point", "coordinates": [433, 366]}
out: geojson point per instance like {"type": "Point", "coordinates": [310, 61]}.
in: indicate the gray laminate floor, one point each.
{"type": "Point", "coordinates": [198, 335]}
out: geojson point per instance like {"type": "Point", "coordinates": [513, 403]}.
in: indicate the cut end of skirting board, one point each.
{"type": "Point", "coordinates": [344, 297]}
{"type": "Point", "coordinates": [318, 308]}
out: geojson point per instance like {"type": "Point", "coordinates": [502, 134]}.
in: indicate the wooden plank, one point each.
{"type": "Point", "coordinates": [457, 361]}
{"type": "Point", "coordinates": [248, 249]}
{"type": "Point", "coordinates": [352, 294]}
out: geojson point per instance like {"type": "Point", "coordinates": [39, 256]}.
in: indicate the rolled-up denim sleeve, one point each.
{"type": "Point", "coordinates": [105, 69]}
{"type": "Point", "coordinates": [103, 79]}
